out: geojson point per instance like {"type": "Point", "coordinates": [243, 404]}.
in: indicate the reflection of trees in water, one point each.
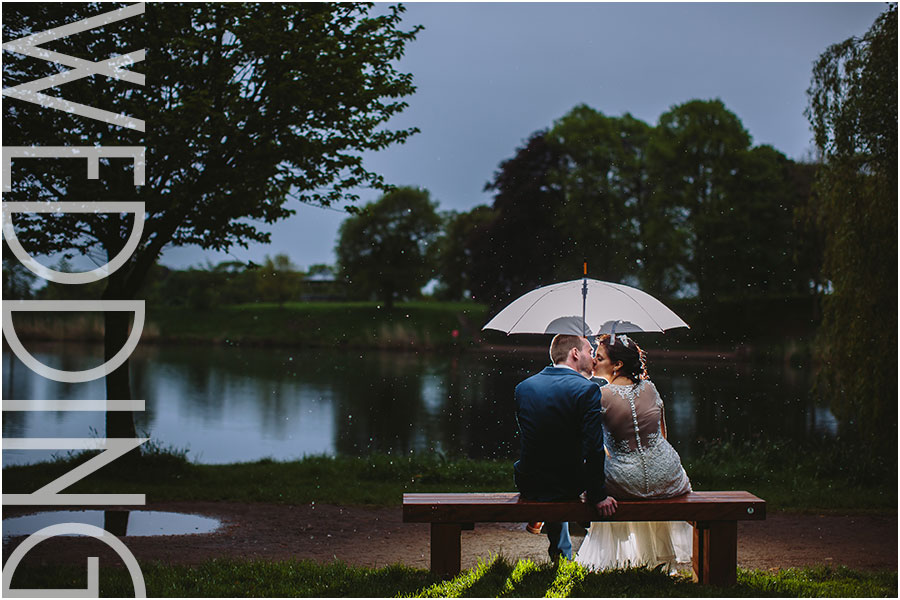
{"type": "Point", "coordinates": [460, 404]}
{"type": "Point", "coordinates": [21, 383]}
{"type": "Point", "coordinates": [216, 378]}
{"type": "Point", "coordinates": [356, 402]}
{"type": "Point", "coordinates": [743, 402]}
{"type": "Point", "coordinates": [380, 406]}
{"type": "Point", "coordinates": [489, 401]}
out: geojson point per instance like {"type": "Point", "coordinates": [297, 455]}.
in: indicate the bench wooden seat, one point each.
{"type": "Point", "coordinates": [714, 516]}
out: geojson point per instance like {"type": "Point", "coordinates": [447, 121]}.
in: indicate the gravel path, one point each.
{"type": "Point", "coordinates": [376, 537]}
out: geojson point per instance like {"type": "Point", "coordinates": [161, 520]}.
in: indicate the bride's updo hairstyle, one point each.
{"type": "Point", "coordinates": [634, 360]}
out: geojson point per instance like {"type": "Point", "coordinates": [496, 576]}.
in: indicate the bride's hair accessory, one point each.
{"type": "Point", "coordinates": [627, 350]}
{"type": "Point", "coordinates": [643, 356]}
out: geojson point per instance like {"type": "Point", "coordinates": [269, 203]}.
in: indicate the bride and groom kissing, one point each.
{"type": "Point", "coordinates": [592, 425]}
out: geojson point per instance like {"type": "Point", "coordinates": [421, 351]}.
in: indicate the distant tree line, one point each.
{"type": "Point", "coordinates": [686, 208]}
{"type": "Point", "coordinates": [277, 280]}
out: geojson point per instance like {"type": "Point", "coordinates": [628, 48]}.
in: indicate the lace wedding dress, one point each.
{"type": "Point", "coordinates": [640, 463]}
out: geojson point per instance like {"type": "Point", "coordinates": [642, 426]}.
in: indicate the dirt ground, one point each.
{"type": "Point", "coordinates": [377, 537]}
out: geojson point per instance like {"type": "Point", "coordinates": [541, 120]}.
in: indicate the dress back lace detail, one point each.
{"type": "Point", "coordinates": [629, 394]}
{"type": "Point", "coordinates": [641, 463]}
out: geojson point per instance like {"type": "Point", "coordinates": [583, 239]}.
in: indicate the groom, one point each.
{"type": "Point", "coordinates": [559, 417]}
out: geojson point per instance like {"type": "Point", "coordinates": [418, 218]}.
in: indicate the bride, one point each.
{"type": "Point", "coordinates": [640, 464]}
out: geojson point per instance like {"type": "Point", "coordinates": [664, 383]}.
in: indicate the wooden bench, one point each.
{"type": "Point", "coordinates": [714, 516]}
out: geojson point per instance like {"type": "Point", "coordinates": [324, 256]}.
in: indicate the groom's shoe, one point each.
{"type": "Point", "coordinates": [534, 527]}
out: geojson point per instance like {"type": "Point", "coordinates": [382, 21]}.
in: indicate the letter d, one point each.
{"type": "Point", "coordinates": [9, 232]}
{"type": "Point", "coordinates": [9, 331]}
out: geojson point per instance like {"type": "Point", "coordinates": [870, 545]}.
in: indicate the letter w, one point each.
{"type": "Point", "coordinates": [113, 448]}
{"type": "Point", "coordinates": [113, 67]}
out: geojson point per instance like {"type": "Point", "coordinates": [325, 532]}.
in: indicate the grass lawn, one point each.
{"type": "Point", "coordinates": [820, 476]}
{"type": "Point", "coordinates": [348, 324]}
{"type": "Point", "coordinates": [496, 578]}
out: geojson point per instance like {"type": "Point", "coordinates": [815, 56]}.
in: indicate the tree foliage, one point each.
{"type": "Point", "coordinates": [519, 247]}
{"type": "Point", "coordinates": [694, 157]}
{"type": "Point", "coordinates": [853, 112]}
{"type": "Point", "coordinates": [387, 250]}
{"type": "Point", "coordinates": [602, 181]}
{"type": "Point", "coordinates": [18, 281]}
{"type": "Point", "coordinates": [247, 105]}
{"type": "Point", "coordinates": [686, 207]}
{"type": "Point", "coordinates": [458, 250]}
{"type": "Point", "coordinates": [278, 278]}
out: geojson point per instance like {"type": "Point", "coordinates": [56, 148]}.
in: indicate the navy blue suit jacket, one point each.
{"type": "Point", "coordinates": [559, 417]}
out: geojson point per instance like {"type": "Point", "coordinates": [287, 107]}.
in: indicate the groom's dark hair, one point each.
{"type": "Point", "coordinates": [560, 346]}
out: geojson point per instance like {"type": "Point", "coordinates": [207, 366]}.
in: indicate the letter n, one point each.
{"type": "Point", "coordinates": [48, 495]}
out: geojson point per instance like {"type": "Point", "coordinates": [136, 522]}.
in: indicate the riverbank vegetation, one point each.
{"type": "Point", "coordinates": [722, 324]}
{"type": "Point", "coordinates": [495, 578]}
{"type": "Point", "coordinates": [827, 475]}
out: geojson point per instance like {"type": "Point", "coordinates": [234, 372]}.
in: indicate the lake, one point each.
{"type": "Point", "coordinates": [235, 404]}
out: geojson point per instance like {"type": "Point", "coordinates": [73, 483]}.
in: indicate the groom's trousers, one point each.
{"type": "Point", "coordinates": [560, 542]}
{"type": "Point", "coordinates": [557, 533]}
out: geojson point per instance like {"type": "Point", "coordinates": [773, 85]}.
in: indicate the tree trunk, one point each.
{"type": "Point", "coordinates": [116, 522]}
{"type": "Point", "coordinates": [119, 424]}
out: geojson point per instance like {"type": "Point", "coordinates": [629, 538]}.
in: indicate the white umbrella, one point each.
{"type": "Point", "coordinates": [605, 308]}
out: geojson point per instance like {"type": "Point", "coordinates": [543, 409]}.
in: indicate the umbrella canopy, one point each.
{"type": "Point", "coordinates": [608, 308]}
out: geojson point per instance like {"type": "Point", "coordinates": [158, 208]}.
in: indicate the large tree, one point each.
{"type": "Point", "coordinates": [278, 279]}
{"type": "Point", "coordinates": [694, 156]}
{"type": "Point", "coordinates": [853, 112]}
{"type": "Point", "coordinates": [458, 252]}
{"type": "Point", "coordinates": [246, 107]}
{"type": "Point", "coordinates": [602, 177]}
{"type": "Point", "coordinates": [753, 242]}
{"type": "Point", "coordinates": [388, 249]}
{"type": "Point", "coordinates": [519, 248]}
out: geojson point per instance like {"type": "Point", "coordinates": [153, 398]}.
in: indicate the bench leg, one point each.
{"type": "Point", "coordinates": [445, 548]}
{"type": "Point", "coordinates": [715, 552]}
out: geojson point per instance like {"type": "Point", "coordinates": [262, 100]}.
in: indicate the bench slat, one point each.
{"type": "Point", "coordinates": [507, 507]}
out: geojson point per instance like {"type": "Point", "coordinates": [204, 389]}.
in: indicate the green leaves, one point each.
{"type": "Point", "coordinates": [388, 249]}
{"type": "Point", "coordinates": [853, 112]}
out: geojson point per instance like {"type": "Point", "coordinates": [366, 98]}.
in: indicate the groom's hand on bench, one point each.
{"type": "Point", "coordinates": [607, 508]}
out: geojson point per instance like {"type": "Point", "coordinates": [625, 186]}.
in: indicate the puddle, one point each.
{"type": "Point", "coordinates": [132, 523]}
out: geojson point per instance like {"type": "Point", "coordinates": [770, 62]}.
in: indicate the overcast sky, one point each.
{"type": "Point", "coordinates": [490, 74]}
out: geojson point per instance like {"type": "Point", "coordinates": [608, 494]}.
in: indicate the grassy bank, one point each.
{"type": "Point", "coordinates": [412, 325]}
{"type": "Point", "coordinates": [493, 579]}
{"type": "Point", "coordinates": [827, 475]}
{"type": "Point", "coordinates": [767, 329]}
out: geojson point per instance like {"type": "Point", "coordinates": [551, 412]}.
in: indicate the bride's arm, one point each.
{"type": "Point", "coordinates": [662, 420]}
{"type": "Point", "coordinates": [662, 412]}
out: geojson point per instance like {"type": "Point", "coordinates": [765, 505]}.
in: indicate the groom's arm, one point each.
{"type": "Point", "coordinates": [594, 456]}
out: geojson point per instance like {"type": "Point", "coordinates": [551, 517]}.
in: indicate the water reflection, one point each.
{"type": "Point", "coordinates": [119, 523]}
{"type": "Point", "coordinates": [230, 404]}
